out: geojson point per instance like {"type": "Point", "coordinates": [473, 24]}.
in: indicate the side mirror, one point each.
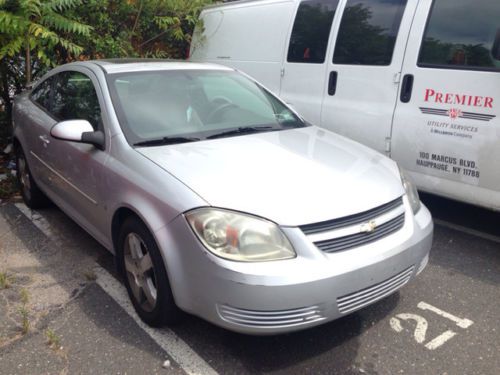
{"type": "Point", "coordinates": [78, 131]}
{"type": "Point", "coordinates": [495, 51]}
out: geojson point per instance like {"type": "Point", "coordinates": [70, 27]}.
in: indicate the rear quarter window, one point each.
{"type": "Point", "coordinates": [462, 34]}
{"type": "Point", "coordinates": [41, 94]}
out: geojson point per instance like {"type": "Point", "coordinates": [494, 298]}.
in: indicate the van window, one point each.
{"type": "Point", "coordinates": [496, 47]}
{"type": "Point", "coordinates": [311, 31]}
{"type": "Point", "coordinates": [462, 34]}
{"type": "Point", "coordinates": [368, 32]}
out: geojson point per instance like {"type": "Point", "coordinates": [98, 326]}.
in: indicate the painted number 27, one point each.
{"type": "Point", "coordinates": [421, 325]}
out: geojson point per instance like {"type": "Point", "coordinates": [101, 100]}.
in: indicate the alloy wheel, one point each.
{"type": "Point", "coordinates": [140, 271]}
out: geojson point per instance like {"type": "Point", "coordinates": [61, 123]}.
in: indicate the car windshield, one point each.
{"type": "Point", "coordinates": [176, 106]}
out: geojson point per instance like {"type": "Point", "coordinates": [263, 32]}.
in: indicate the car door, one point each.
{"type": "Point", "coordinates": [364, 69]}
{"type": "Point", "coordinates": [446, 132]}
{"type": "Point", "coordinates": [36, 116]}
{"type": "Point", "coordinates": [79, 169]}
{"type": "Point", "coordinates": [304, 67]}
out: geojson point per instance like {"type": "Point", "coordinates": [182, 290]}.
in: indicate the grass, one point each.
{"type": "Point", "coordinates": [25, 322]}
{"type": "Point", "coordinates": [25, 297]}
{"type": "Point", "coordinates": [53, 340]}
{"type": "Point", "coordinates": [24, 312]}
{"type": "Point", "coordinates": [90, 275]}
{"type": "Point", "coordinates": [5, 280]}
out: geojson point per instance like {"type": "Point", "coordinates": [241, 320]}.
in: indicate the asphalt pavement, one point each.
{"type": "Point", "coordinates": [447, 321]}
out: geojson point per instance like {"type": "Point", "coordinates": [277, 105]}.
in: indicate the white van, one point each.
{"type": "Point", "coordinates": [418, 80]}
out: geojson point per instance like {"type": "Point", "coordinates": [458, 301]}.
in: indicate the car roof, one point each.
{"type": "Point", "coordinates": [111, 66]}
{"type": "Point", "coordinates": [235, 3]}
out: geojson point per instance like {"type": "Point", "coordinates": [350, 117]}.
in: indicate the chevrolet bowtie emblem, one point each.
{"type": "Point", "coordinates": [368, 227]}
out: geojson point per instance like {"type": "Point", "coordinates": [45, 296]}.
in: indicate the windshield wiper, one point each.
{"type": "Point", "coordinates": [243, 130]}
{"type": "Point", "coordinates": [166, 141]}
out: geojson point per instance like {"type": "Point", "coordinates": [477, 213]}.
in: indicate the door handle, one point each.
{"type": "Point", "coordinates": [406, 88]}
{"type": "Point", "coordinates": [44, 139]}
{"type": "Point", "coordinates": [332, 83]}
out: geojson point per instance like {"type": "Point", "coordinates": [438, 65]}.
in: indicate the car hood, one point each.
{"type": "Point", "coordinates": [291, 177]}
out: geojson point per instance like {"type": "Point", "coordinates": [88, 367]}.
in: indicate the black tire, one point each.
{"type": "Point", "coordinates": [140, 283]}
{"type": "Point", "coordinates": [32, 195]}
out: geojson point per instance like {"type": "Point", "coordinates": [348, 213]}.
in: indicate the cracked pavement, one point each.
{"type": "Point", "coordinates": [51, 279]}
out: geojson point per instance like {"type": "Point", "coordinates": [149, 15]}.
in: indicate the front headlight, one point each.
{"type": "Point", "coordinates": [239, 237]}
{"type": "Point", "coordinates": [411, 191]}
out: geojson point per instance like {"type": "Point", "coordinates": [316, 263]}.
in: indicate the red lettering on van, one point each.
{"type": "Point", "coordinates": [458, 99]}
{"type": "Point", "coordinates": [428, 94]}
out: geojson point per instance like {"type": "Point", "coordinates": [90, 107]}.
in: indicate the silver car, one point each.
{"type": "Point", "coordinates": [216, 198]}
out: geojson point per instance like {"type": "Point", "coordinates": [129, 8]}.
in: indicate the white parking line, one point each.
{"type": "Point", "coordinates": [172, 344]}
{"type": "Point", "coordinates": [190, 362]}
{"type": "Point", "coordinates": [466, 230]}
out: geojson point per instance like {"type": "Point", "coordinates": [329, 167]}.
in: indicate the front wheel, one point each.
{"type": "Point", "coordinates": [141, 264]}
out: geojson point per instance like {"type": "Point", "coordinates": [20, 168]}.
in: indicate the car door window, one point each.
{"type": "Point", "coordinates": [75, 98]}
{"type": "Point", "coordinates": [311, 30]}
{"type": "Point", "coordinates": [462, 34]}
{"type": "Point", "coordinates": [368, 32]}
{"type": "Point", "coordinates": [41, 94]}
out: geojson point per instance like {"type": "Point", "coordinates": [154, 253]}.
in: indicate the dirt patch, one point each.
{"type": "Point", "coordinates": [34, 281]}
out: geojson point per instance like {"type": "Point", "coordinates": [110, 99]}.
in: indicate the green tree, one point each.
{"type": "Point", "coordinates": [37, 27]}
{"type": "Point", "coordinates": [34, 35]}
{"type": "Point", "coordinates": [38, 34]}
{"type": "Point", "coordinates": [138, 28]}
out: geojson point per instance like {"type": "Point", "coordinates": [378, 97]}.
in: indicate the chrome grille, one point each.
{"type": "Point", "coordinates": [278, 318]}
{"type": "Point", "coordinates": [360, 239]}
{"type": "Point", "coordinates": [364, 297]}
{"type": "Point", "coordinates": [355, 219]}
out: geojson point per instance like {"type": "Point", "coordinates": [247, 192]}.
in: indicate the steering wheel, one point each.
{"type": "Point", "coordinates": [217, 111]}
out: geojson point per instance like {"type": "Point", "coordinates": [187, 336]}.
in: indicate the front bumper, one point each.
{"type": "Point", "coordinates": [284, 296]}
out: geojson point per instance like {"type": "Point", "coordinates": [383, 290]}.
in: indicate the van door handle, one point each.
{"type": "Point", "coordinates": [407, 88]}
{"type": "Point", "coordinates": [332, 83]}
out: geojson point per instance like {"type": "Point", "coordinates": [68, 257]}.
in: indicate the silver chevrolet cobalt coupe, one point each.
{"type": "Point", "coordinates": [216, 198]}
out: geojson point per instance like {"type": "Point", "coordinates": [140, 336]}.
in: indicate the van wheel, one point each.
{"type": "Point", "coordinates": [141, 265]}
{"type": "Point", "coordinates": [32, 195]}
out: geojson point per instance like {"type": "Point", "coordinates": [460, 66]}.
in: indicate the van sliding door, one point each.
{"type": "Point", "coordinates": [304, 66]}
{"type": "Point", "coordinates": [365, 59]}
{"type": "Point", "coordinates": [447, 131]}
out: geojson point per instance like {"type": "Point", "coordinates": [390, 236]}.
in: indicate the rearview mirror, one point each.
{"type": "Point", "coordinates": [78, 131]}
